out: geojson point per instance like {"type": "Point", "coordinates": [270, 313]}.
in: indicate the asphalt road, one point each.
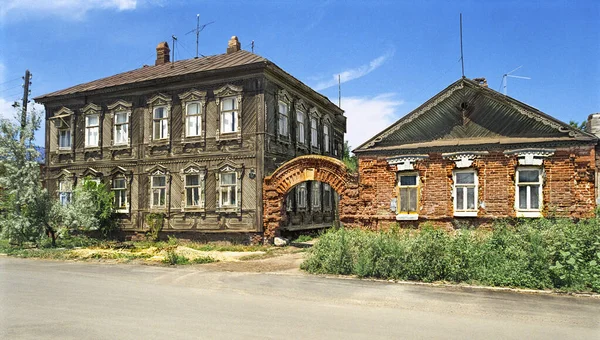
{"type": "Point", "coordinates": [69, 300]}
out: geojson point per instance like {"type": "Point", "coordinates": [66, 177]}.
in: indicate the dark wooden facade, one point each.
{"type": "Point", "coordinates": [213, 157]}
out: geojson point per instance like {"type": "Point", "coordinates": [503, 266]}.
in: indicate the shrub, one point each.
{"type": "Point", "coordinates": [538, 254]}
{"type": "Point", "coordinates": [155, 223]}
{"type": "Point", "coordinates": [172, 258]}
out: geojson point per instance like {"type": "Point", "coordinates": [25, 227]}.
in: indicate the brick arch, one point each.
{"type": "Point", "coordinates": [308, 168]}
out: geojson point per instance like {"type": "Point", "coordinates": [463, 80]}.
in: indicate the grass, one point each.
{"type": "Point", "coordinates": [539, 254]}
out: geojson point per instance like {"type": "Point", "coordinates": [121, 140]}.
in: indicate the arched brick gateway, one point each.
{"type": "Point", "coordinates": [308, 168]}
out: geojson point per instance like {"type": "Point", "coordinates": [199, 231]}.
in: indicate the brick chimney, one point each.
{"type": "Point", "coordinates": [593, 124]}
{"type": "Point", "coordinates": [233, 45]}
{"type": "Point", "coordinates": [162, 53]}
{"type": "Point", "coordinates": [481, 81]}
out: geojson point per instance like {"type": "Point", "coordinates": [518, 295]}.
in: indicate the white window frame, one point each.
{"type": "Point", "coordinates": [315, 198]}
{"type": "Point", "coordinates": [326, 197]}
{"type": "Point", "coordinates": [90, 128]}
{"type": "Point", "coordinates": [529, 212]}
{"type": "Point", "coordinates": [228, 188]}
{"type": "Point", "coordinates": [289, 200]}
{"type": "Point", "coordinates": [283, 109]}
{"type": "Point", "coordinates": [124, 128]}
{"type": "Point", "coordinates": [62, 127]}
{"type": "Point", "coordinates": [197, 116]}
{"type": "Point", "coordinates": [461, 189]}
{"type": "Point", "coordinates": [326, 137]}
{"type": "Point", "coordinates": [233, 115]}
{"type": "Point", "coordinates": [162, 192]}
{"type": "Point", "coordinates": [314, 132]}
{"type": "Point", "coordinates": [409, 214]}
{"type": "Point", "coordinates": [301, 195]}
{"type": "Point", "coordinates": [300, 123]}
{"type": "Point", "coordinates": [120, 194]}
{"type": "Point", "coordinates": [198, 188]}
{"type": "Point", "coordinates": [65, 191]}
{"type": "Point", "coordinates": [162, 122]}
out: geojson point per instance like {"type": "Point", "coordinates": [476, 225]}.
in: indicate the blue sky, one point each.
{"type": "Point", "coordinates": [393, 55]}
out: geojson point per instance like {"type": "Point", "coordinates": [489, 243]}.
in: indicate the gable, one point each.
{"type": "Point", "coordinates": [468, 113]}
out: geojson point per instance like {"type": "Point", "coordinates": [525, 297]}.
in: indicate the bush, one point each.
{"type": "Point", "coordinates": [172, 258]}
{"type": "Point", "coordinates": [535, 254]}
{"type": "Point", "coordinates": [155, 223]}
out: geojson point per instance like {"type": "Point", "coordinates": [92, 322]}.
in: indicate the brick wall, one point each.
{"type": "Point", "coordinates": [568, 191]}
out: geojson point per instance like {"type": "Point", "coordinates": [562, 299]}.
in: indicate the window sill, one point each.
{"type": "Point", "coordinates": [228, 210]}
{"type": "Point", "coordinates": [92, 148]}
{"type": "Point", "coordinates": [529, 214]}
{"type": "Point", "coordinates": [120, 147]}
{"type": "Point", "coordinates": [192, 209]}
{"type": "Point", "coordinates": [407, 217]}
{"type": "Point", "coordinates": [122, 211]}
{"type": "Point", "coordinates": [64, 151]}
{"type": "Point", "coordinates": [160, 141]}
{"type": "Point", "coordinates": [193, 139]}
{"type": "Point", "coordinates": [229, 135]}
{"type": "Point", "coordinates": [465, 214]}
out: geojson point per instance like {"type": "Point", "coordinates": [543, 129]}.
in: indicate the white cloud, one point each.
{"type": "Point", "coordinates": [367, 116]}
{"type": "Point", "coordinates": [74, 9]}
{"type": "Point", "coordinates": [354, 73]}
{"type": "Point", "coordinates": [7, 111]}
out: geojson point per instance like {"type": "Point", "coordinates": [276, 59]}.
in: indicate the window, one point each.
{"type": "Point", "coordinates": [159, 191]}
{"type": "Point", "coordinates": [160, 123]}
{"type": "Point", "coordinates": [283, 118]}
{"type": "Point", "coordinates": [65, 192]}
{"type": "Point", "coordinates": [408, 185]}
{"type": "Point", "coordinates": [326, 138]}
{"type": "Point", "coordinates": [529, 190]}
{"type": "Point", "coordinates": [301, 195]}
{"type": "Point", "coordinates": [92, 130]}
{"type": "Point", "coordinates": [228, 189]}
{"type": "Point", "coordinates": [193, 122]}
{"type": "Point", "coordinates": [314, 133]}
{"type": "Point", "coordinates": [301, 136]}
{"type": "Point", "coordinates": [316, 195]}
{"type": "Point", "coordinates": [64, 135]}
{"type": "Point", "coordinates": [326, 196]}
{"type": "Point", "coordinates": [119, 188]}
{"type": "Point", "coordinates": [229, 115]}
{"type": "Point", "coordinates": [289, 201]}
{"type": "Point", "coordinates": [193, 191]}
{"type": "Point", "coordinates": [121, 126]}
{"type": "Point", "coordinates": [465, 193]}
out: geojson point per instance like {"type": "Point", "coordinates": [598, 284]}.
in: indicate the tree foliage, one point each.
{"type": "Point", "coordinates": [350, 160]}
{"type": "Point", "coordinates": [92, 209]}
{"type": "Point", "coordinates": [581, 126]}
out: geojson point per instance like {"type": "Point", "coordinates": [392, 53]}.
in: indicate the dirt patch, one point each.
{"type": "Point", "coordinates": [286, 260]}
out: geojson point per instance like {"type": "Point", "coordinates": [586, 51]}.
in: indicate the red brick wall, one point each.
{"type": "Point", "coordinates": [568, 190]}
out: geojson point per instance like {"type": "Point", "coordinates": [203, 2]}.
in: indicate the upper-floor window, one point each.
{"type": "Point", "coordinates": [300, 134]}
{"type": "Point", "coordinates": [92, 130]}
{"type": "Point", "coordinates": [408, 193]}
{"type": "Point", "coordinates": [314, 132]}
{"type": "Point", "coordinates": [465, 193]}
{"type": "Point", "coordinates": [121, 128]}
{"type": "Point", "coordinates": [65, 191]}
{"type": "Point", "coordinates": [229, 115]}
{"type": "Point", "coordinates": [529, 189]}
{"type": "Point", "coordinates": [160, 123]}
{"type": "Point", "coordinates": [193, 190]}
{"type": "Point", "coordinates": [119, 189]}
{"type": "Point", "coordinates": [64, 134]}
{"type": "Point", "coordinates": [326, 138]}
{"type": "Point", "coordinates": [159, 191]}
{"type": "Point", "coordinates": [228, 189]}
{"type": "Point", "coordinates": [283, 118]}
{"type": "Point", "coordinates": [193, 122]}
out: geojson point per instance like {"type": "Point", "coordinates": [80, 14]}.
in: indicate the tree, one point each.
{"type": "Point", "coordinates": [350, 161]}
{"type": "Point", "coordinates": [20, 181]}
{"type": "Point", "coordinates": [92, 209]}
{"type": "Point", "coordinates": [580, 126]}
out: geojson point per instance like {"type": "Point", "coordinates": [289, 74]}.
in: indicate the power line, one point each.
{"type": "Point", "coordinates": [10, 88]}
{"type": "Point", "coordinates": [8, 81]}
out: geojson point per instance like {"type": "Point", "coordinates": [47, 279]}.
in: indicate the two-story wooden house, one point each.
{"type": "Point", "coordinates": [192, 139]}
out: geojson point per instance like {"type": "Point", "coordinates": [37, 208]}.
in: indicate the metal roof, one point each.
{"type": "Point", "coordinates": [469, 113]}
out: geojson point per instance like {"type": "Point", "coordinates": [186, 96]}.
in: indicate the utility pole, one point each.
{"type": "Point", "coordinates": [24, 105]}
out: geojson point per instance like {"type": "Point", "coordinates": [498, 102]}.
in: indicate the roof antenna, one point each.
{"type": "Point", "coordinates": [507, 75]}
{"type": "Point", "coordinates": [174, 40]}
{"type": "Point", "coordinates": [339, 91]}
{"type": "Point", "coordinates": [198, 29]}
{"type": "Point", "coordinates": [252, 46]}
{"type": "Point", "coordinates": [462, 59]}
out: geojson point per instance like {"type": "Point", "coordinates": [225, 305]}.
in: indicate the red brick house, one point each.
{"type": "Point", "coordinates": [471, 153]}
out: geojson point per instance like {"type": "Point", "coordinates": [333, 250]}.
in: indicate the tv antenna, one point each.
{"type": "Point", "coordinates": [198, 29]}
{"type": "Point", "coordinates": [174, 40]}
{"type": "Point", "coordinates": [509, 74]}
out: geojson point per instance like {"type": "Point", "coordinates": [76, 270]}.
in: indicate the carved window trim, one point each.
{"type": "Point", "coordinates": [120, 106]}
{"type": "Point", "coordinates": [327, 137]}
{"type": "Point", "coordinates": [529, 212]}
{"type": "Point", "coordinates": [64, 120]}
{"type": "Point", "coordinates": [229, 167]}
{"type": "Point", "coordinates": [314, 116]}
{"type": "Point", "coordinates": [119, 173]}
{"type": "Point", "coordinates": [226, 92]}
{"type": "Point", "coordinates": [408, 214]}
{"type": "Point", "coordinates": [187, 98]}
{"type": "Point", "coordinates": [87, 111]}
{"type": "Point", "coordinates": [284, 103]}
{"type": "Point", "coordinates": [301, 110]}
{"type": "Point", "coordinates": [65, 183]}
{"type": "Point", "coordinates": [462, 189]}
{"type": "Point", "coordinates": [158, 101]}
{"type": "Point", "coordinates": [159, 171]}
{"type": "Point", "coordinates": [193, 169]}
{"type": "Point", "coordinates": [302, 196]}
